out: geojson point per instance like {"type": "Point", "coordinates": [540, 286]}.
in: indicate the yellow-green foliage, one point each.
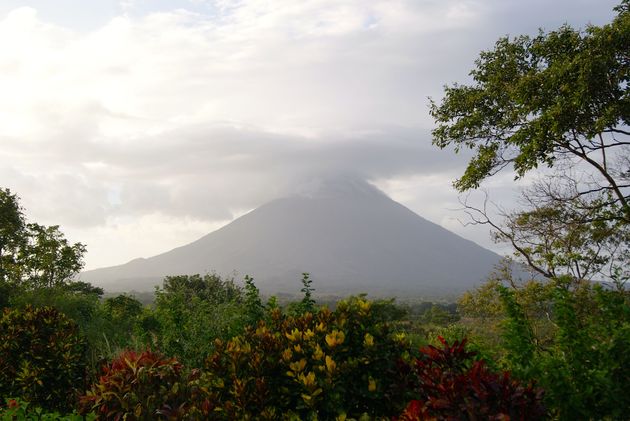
{"type": "Point", "coordinates": [328, 365]}
{"type": "Point", "coordinates": [484, 312]}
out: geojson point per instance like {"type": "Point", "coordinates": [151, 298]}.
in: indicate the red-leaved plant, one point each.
{"type": "Point", "coordinates": [455, 386]}
{"type": "Point", "coordinates": [146, 386]}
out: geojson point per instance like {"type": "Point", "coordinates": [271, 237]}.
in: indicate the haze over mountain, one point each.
{"type": "Point", "coordinates": [346, 233]}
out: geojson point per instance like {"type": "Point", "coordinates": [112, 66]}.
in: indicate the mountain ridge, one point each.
{"type": "Point", "coordinates": [348, 235]}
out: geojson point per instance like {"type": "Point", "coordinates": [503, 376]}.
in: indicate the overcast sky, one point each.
{"type": "Point", "coordinates": [141, 125]}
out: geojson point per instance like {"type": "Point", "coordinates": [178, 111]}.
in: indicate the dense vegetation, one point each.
{"type": "Point", "coordinates": [210, 348]}
{"type": "Point", "coordinates": [547, 346]}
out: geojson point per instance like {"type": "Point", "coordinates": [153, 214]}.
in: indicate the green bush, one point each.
{"type": "Point", "coordinates": [42, 357]}
{"type": "Point", "coordinates": [122, 308]}
{"type": "Point", "coordinates": [17, 409]}
{"type": "Point", "coordinates": [584, 369]}
{"type": "Point", "coordinates": [326, 365]}
{"type": "Point", "coordinates": [192, 311]}
{"type": "Point", "coordinates": [118, 318]}
{"type": "Point", "coordinates": [79, 301]}
{"type": "Point", "coordinates": [5, 293]}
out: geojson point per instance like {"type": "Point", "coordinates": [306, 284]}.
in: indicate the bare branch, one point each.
{"type": "Point", "coordinates": [619, 131]}
{"type": "Point", "coordinates": [474, 212]}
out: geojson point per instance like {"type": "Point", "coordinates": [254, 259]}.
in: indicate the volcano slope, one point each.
{"type": "Point", "coordinates": [348, 235]}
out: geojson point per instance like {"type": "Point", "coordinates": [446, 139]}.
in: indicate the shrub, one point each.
{"type": "Point", "coordinates": [324, 365]}
{"type": "Point", "coordinates": [453, 385]}
{"type": "Point", "coordinates": [17, 409]}
{"type": "Point", "coordinates": [145, 386]}
{"type": "Point", "coordinates": [78, 306]}
{"type": "Point", "coordinates": [584, 369]}
{"type": "Point", "coordinates": [42, 357]}
{"type": "Point", "coordinates": [587, 370]}
{"type": "Point", "coordinates": [123, 308]}
{"type": "Point", "coordinates": [307, 304]}
{"type": "Point", "coordinates": [192, 311]}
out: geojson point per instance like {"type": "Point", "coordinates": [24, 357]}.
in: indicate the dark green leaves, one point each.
{"type": "Point", "coordinates": [31, 255]}
{"type": "Point", "coordinates": [534, 99]}
{"type": "Point", "coordinates": [42, 357]}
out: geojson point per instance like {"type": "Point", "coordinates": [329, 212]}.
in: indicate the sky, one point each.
{"type": "Point", "coordinates": [141, 125]}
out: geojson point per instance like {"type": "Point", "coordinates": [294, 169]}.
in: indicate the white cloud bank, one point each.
{"type": "Point", "coordinates": [151, 130]}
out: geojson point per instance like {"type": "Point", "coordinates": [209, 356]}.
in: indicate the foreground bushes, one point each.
{"type": "Point", "coordinates": [453, 385]}
{"type": "Point", "coordinates": [16, 409]}
{"type": "Point", "coordinates": [145, 386]}
{"type": "Point", "coordinates": [288, 373]}
{"type": "Point", "coordinates": [325, 365]}
{"type": "Point", "coordinates": [42, 357]}
{"type": "Point", "coordinates": [192, 311]}
{"type": "Point", "coordinates": [584, 367]}
{"type": "Point", "coordinates": [344, 363]}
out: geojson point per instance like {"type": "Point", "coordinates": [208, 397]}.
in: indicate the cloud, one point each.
{"type": "Point", "coordinates": [178, 118]}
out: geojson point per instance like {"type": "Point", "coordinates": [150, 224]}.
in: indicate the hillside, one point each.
{"type": "Point", "coordinates": [347, 234]}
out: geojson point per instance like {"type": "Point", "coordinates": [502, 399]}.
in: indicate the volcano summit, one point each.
{"type": "Point", "coordinates": [346, 233]}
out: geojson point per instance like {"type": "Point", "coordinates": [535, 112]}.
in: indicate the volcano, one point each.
{"type": "Point", "coordinates": [347, 234]}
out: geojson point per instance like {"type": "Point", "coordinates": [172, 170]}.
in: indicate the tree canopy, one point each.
{"type": "Point", "coordinates": [559, 99]}
{"type": "Point", "coordinates": [34, 255]}
{"type": "Point", "coordinates": [537, 100]}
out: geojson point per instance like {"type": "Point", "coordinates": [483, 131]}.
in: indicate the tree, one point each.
{"type": "Point", "coordinates": [193, 310]}
{"type": "Point", "coordinates": [557, 238]}
{"type": "Point", "coordinates": [123, 307]}
{"type": "Point", "coordinates": [209, 287]}
{"type": "Point", "coordinates": [34, 256]}
{"type": "Point", "coordinates": [48, 260]}
{"type": "Point", "coordinates": [560, 100]}
{"type": "Point", "coordinates": [537, 100]}
{"type": "Point", "coordinates": [12, 225]}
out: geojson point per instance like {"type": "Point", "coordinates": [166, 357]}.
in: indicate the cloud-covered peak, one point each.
{"type": "Point", "coordinates": [338, 186]}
